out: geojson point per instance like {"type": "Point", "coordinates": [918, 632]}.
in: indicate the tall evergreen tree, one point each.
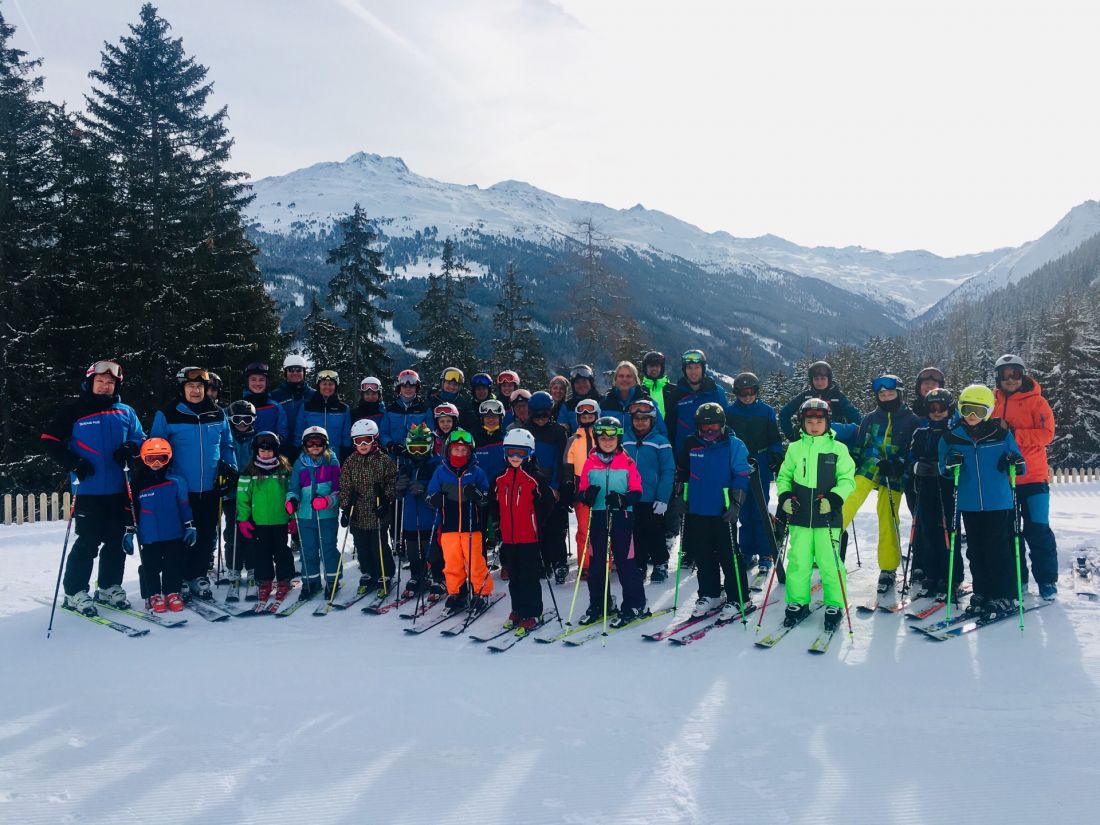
{"type": "Point", "coordinates": [183, 282]}
{"type": "Point", "coordinates": [596, 293]}
{"type": "Point", "coordinates": [358, 287]}
{"type": "Point", "coordinates": [517, 345]}
{"type": "Point", "coordinates": [444, 315]}
{"type": "Point", "coordinates": [327, 342]}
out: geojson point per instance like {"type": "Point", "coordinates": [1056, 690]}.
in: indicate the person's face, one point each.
{"type": "Point", "coordinates": [408, 391]}
{"type": "Point", "coordinates": [451, 386]}
{"type": "Point", "coordinates": [508, 387]}
{"type": "Point", "coordinates": [973, 419]}
{"type": "Point", "coordinates": [326, 387]}
{"type": "Point", "coordinates": [927, 385]}
{"type": "Point", "coordinates": [1011, 379]}
{"type": "Point", "coordinates": [542, 419]}
{"type": "Point", "coordinates": [481, 392]}
{"type": "Point", "coordinates": [315, 447]}
{"type": "Point", "coordinates": [557, 391]}
{"type": "Point", "coordinates": [747, 395]}
{"type": "Point", "coordinates": [814, 424]}
{"type": "Point", "coordinates": [937, 412]}
{"type": "Point", "coordinates": [607, 443]}
{"type": "Point", "coordinates": [520, 410]}
{"type": "Point", "coordinates": [694, 373]}
{"type": "Point", "coordinates": [653, 370]}
{"type": "Point", "coordinates": [586, 419]}
{"type": "Point", "coordinates": [194, 391]}
{"type": "Point", "coordinates": [103, 384]}
{"type": "Point", "coordinates": [582, 386]}
{"type": "Point", "coordinates": [265, 453]}
{"type": "Point", "coordinates": [490, 421]}
{"type": "Point", "coordinates": [515, 460]}
{"type": "Point", "coordinates": [295, 375]}
{"type": "Point", "coordinates": [887, 394]}
{"type": "Point", "coordinates": [445, 424]}
{"type": "Point", "coordinates": [710, 431]}
{"type": "Point", "coordinates": [371, 396]}
{"type": "Point", "coordinates": [624, 379]}
{"type": "Point", "coordinates": [212, 393]}
{"type": "Point", "coordinates": [642, 424]}
{"type": "Point", "coordinates": [257, 383]}
{"type": "Point", "coordinates": [460, 449]}
{"type": "Point", "coordinates": [820, 380]}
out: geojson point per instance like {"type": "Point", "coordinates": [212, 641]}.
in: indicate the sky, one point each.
{"type": "Point", "coordinates": [953, 127]}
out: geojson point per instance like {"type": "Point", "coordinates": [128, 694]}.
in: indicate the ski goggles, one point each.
{"type": "Point", "coordinates": [540, 414]}
{"type": "Point", "coordinates": [938, 408]}
{"type": "Point", "coordinates": [1010, 374]}
{"type": "Point", "coordinates": [814, 415]}
{"type": "Point", "coordinates": [482, 380]}
{"type": "Point", "coordinates": [257, 368]}
{"type": "Point", "coordinates": [591, 413]}
{"type": "Point", "coordinates": [408, 379]}
{"type": "Point", "coordinates": [105, 368]}
{"type": "Point", "coordinates": [693, 356]}
{"type": "Point", "coordinates": [371, 386]}
{"type": "Point", "coordinates": [364, 439]}
{"type": "Point", "coordinates": [453, 375]}
{"type": "Point", "coordinates": [885, 382]}
{"type": "Point", "coordinates": [581, 371]}
{"type": "Point", "coordinates": [294, 369]}
{"type": "Point", "coordinates": [607, 431]}
{"type": "Point", "coordinates": [980, 410]}
{"type": "Point", "coordinates": [189, 374]}
{"type": "Point", "coordinates": [328, 375]}
{"type": "Point", "coordinates": [242, 420]}
{"type": "Point", "coordinates": [461, 437]}
{"type": "Point", "coordinates": [156, 460]}
{"type": "Point", "coordinates": [418, 449]}
{"type": "Point", "coordinates": [516, 452]}
{"type": "Point", "coordinates": [310, 443]}
{"type": "Point", "coordinates": [747, 392]}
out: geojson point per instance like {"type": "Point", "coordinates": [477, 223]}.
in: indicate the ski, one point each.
{"type": "Point", "coordinates": [972, 623]}
{"type": "Point", "coordinates": [380, 598]}
{"type": "Point", "coordinates": [821, 643]}
{"type": "Point", "coordinates": [773, 638]}
{"type": "Point", "coordinates": [894, 605]}
{"type": "Point", "coordinates": [388, 606]}
{"type": "Point", "coordinates": [472, 617]}
{"type": "Point", "coordinates": [105, 622]}
{"type": "Point", "coordinates": [699, 633]}
{"type": "Point", "coordinates": [680, 626]}
{"type": "Point", "coordinates": [569, 630]}
{"type": "Point", "coordinates": [519, 634]}
{"type": "Point", "coordinates": [758, 581]}
{"type": "Point", "coordinates": [357, 595]}
{"type": "Point", "coordinates": [252, 591]}
{"type": "Point", "coordinates": [446, 615]}
{"type": "Point", "coordinates": [282, 612]}
{"type": "Point", "coordinates": [939, 601]}
{"type": "Point", "coordinates": [156, 618]}
{"type": "Point", "coordinates": [208, 611]}
{"type": "Point", "coordinates": [234, 594]}
{"type": "Point", "coordinates": [427, 604]}
{"type": "Point", "coordinates": [577, 641]}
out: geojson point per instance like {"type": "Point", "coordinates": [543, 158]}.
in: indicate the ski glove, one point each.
{"type": "Point", "coordinates": [953, 459]}
{"type": "Point", "coordinates": [676, 505]}
{"type": "Point", "coordinates": [416, 488]}
{"type": "Point", "coordinates": [730, 514]}
{"type": "Point", "coordinates": [789, 504]}
{"type": "Point", "coordinates": [190, 534]}
{"type": "Point", "coordinates": [829, 503]}
{"type": "Point", "coordinates": [247, 528]}
{"type": "Point", "coordinates": [435, 500]}
{"type": "Point", "coordinates": [397, 448]}
{"type": "Point", "coordinates": [472, 492]}
{"type": "Point", "coordinates": [319, 503]}
{"type": "Point", "coordinates": [567, 493]}
{"type": "Point", "coordinates": [126, 451]}
{"type": "Point", "coordinates": [590, 494]}
{"type": "Point", "coordinates": [659, 508]}
{"type": "Point", "coordinates": [401, 485]}
{"type": "Point", "coordinates": [83, 468]}
{"type": "Point", "coordinates": [613, 500]}
{"type": "Point", "coordinates": [891, 467]}
{"type": "Point", "coordinates": [925, 468]}
{"type": "Point", "coordinates": [345, 518]}
{"type": "Point", "coordinates": [128, 541]}
{"type": "Point", "coordinates": [382, 511]}
{"type": "Point", "coordinates": [1014, 459]}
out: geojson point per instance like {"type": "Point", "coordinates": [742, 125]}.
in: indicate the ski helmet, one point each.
{"type": "Point", "coordinates": [327, 375]}
{"type": "Point", "coordinates": [370, 384]}
{"type": "Point", "coordinates": [453, 374]}
{"type": "Point", "coordinates": [215, 381]}
{"type": "Point", "coordinates": [693, 356]}
{"type": "Point", "coordinates": [1009, 362]}
{"type": "Point", "coordinates": [588, 405]}
{"type": "Point", "coordinates": [886, 382]}
{"type": "Point", "coordinates": [819, 367]}
{"type": "Point", "coordinates": [188, 374]}
{"type": "Point", "coordinates": [581, 371]}
{"type": "Point", "coordinates": [644, 406]}
{"type": "Point", "coordinates": [540, 402]}
{"type": "Point", "coordinates": [419, 440]}
{"type": "Point", "coordinates": [560, 379]}
{"type": "Point", "coordinates": [266, 440]}
{"type": "Point", "coordinates": [977, 398]}
{"type": "Point", "coordinates": [107, 367]}
{"type": "Point", "coordinates": [815, 405]}
{"type": "Point", "coordinates": [490, 406]}
{"type": "Point", "coordinates": [519, 438]}
{"type": "Point", "coordinates": [935, 373]}
{"type": "Point", "coordinates": [523, 396]}
{"type": "Point", "coordinates": [408, 378]}
{"type": "Point", "coordinates": [745, 381]}
{"type": "Point", "coordinates": [508, 377]}
{"type": "Point", "coordinates": [608, 425]}
{"type": "Point", "coordinates": [314, 433]}
{"type": "Point", "coordinates": [242, 412]}
{"type": "Point", "coordinates": [295, 361]}
{"type": "Point", "coordinates": [459, 436]}
{"type": "Point", "coordinates": [940, 396]}
{"type": "Point", "coordinates": [256, 368]}
{"type": "Point", "coordinates": [654, 357]}
{"type": "Point", "coordinates": [482, 379]}
{"type": "Point", "coordinates": [156, 451]}
{"type": "Point", "coordinates": [364, 427]}
{"type": "Point", "coordinates": [446, 408]}
{"type": "Point", "coordinates": [710, 413]}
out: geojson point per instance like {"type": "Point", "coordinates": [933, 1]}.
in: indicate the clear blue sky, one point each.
{"type": "Point", "coordinates": [955, 127]}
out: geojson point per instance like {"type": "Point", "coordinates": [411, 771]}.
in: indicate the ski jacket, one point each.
{"type": "Point", "coordinates": [524, 501]}
{"type": "Point", "coordinates": [756, 425]}
{"type": "Point", "coordinates": [292, 397]}
{"type": "Point", "coordinates": [577, 449]}
{"type": "Point", "coordinates": [816, 465]}
{"type": "Point", "coordinates": [200, 438]}
{"type": "Point", "coordinates": [374, 411]}
{"type": "Point", "coordinates": [449, 481]}
{"type": "Point", "coordinates": [489, 450]}
{"type": "Point", "coordinates": [656, 464]}
{"type": "Point", "coordinates": [619, 475]}
{"type": "Point", "coordinates": [1031, 420]}
{"type": "Point", "coordinates": [842, 410]}
{"type": "Point", "coordinates": [363, 479]}
{"type": "Point", "coordinates": [926, 447]}
{"type": "Point", "coordinates": [262, 495]}
{"type": "Point", "coordinates": [332, 414]}
{"type": "Point", "coordinates": [416, 515]}
{"type": "Point", "coordinates": [270, 416]}
{"type": "Point", "coordinates": [550, 441]}
{"type": "Point", "coordinates": [92, 427]}
{"type": "Point", "coordinates": [883, 434]}
{"type": "Point", "coordinates": [656, 389]}
{"type": "Point", "coordinates": [982, 484]}
{"type": "Point", "coordinates": [401, 416]}
{"type": "Point", "coordinates": [710, 468]}
{"type": "Point", "coordinates": [681, 402]}
{"type": "Point", "coordinates": [614, 405]}
{"type": "Point", "coordinates": [310, 479]}
{"type": "Point", "coordinates": [163, 507]}
{"type": "Point", "coordinates": [242, 450]}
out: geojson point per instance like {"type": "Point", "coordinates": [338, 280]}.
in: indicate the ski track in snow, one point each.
{"type": "Point", "coordinates": [344, 719]}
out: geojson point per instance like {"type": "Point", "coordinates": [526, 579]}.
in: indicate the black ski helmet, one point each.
{"type": "Point", "coordinates": [940, 396]}
{"type": "Point", "coordinates": [935, 373]}
{"type": "Point", "coordinates": [710, 413]}
{"type": "Point", "coordinates": [693, 356]}
{"type": "Point", "coordinates": [266, 440]}
{"type": "Point", "coordinates": [818, 366]}
{"type": "Point", "coordinates": [744, 381]}
{"type": "Point", "coordinates": [242, 407]}
{"type": "Point", "coordinates": [654, 357]}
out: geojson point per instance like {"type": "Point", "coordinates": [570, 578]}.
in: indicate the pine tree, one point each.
{"type": "Point", "coordinates": [26, 177]}
{"type": "Point", "coordinates": [327, 342]}
{"type": "Point", "coordinates": [444, 314]}
{"type": "Point", "coordinates": [630, 344]}
{"type": "Point", "coordinates": [516, 346]}
{"type": "Point", "coordinates": [183, 282]}
{"type": "Point", "coordinates": [596, 292]}
{"type": "Point", "coordinates": [358, 287]}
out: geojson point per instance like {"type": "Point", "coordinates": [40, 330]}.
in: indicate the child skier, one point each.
{"type": "Point", "coordinates": [577, 450]}
{"type": "Point", "coordinates": [550, 438]}
{"type": "Point", "coordinates": [713, 471]}
{"type": "Point", "coordinates": [933, 501]}
{"type": "Point", "coordinates": [981, 450]}
{"type": "Point", "coordinates": [164, 526]}
{"type": "Point", "coordinates": [525, 501]}
{"type": "Point", "coordinates": [238, 555]}
{"type": "Point", "coordinates": [459, 489]}
{"type": "Point", "coordinates": [414, 472]}
{"type": "Point", "coordinates": [816, 476]}
{"type": "Point", "coordinates": [316, 480]}
{"type": "Point", "coordinates": [610, 486]}
{"type": "Point", "coordinates": [262, 516]}
{"type": "Point", "coordinates": [657, 467]}
{"type": "Point", "coordinates": [446, 416]}
{"type": "Point", "coordinates": [367, 488]}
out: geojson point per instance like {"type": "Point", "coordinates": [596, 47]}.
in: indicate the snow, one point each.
{"type": "Point", "coordinates": [344, 719]}
{"type": "Point", "coordinates": [906, 283]}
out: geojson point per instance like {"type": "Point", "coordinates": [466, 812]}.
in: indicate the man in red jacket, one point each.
{"type": "Point", "coordinates": [1023, 410]}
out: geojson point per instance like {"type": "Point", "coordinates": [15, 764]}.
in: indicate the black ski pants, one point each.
{"type": "Point", "coordinates": [649, 537]}
{"type": "Point", "coordinates": [372, 547]}
{"type": "Point", "coordinates": [161, 569]}
{"type": "Point", "coordinates": [100, 523]}
{"type": "Point", "coordinates": [709, 541]}
{"type": "Point", "coordinates": [204, 512]}
{"type": "Point", "coordinates": [524, 585]}
{"type": "Point", "coordinates": [991, 553]}
{"type": "Point", "coordinates": [271, 553]}
{"type": "Point", "coordinates": [552, 538]}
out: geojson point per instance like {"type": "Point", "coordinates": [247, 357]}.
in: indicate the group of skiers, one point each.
{"type": "Point", "coordinates": [450, 477]}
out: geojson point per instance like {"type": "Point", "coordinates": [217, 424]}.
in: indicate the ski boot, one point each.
{"type": "Point", "coordinates": [833, 615]}
{"type": "Point", "coordinates": [282, 589]}
{"type": "Point", "coordinates": [887, 581]}
{"type": "Point", "coordinates": [234, 578]}
{"type": "Point", "coordinates": [174, 602]}
{"type": "Point", "coordinates": [200, 589]}
{"type": "Point", "coordinates": [705, 605]}
{"type": "Point", "coordinates": [659, 574]}
{"type": "Point", "coordinates": [512, 621]}
{"type": "Point", "coordinates": [436, 590]}
{"type": "Point", "coordinates": [730, 611]}
{"type": "Point", "coordinates": [368, 582]}
{"type": "Point", "coordinates": [628, 615]}
{"type": "Point", "coordinates": [156, 604]}
{"type": "Point", "coordinates": [81, 603]}
{"type": "Point", "coordinates": [263, 593]}
{"type": "Point", "coordinates": [977, 605]}
{"type": "Point", "coordinates": [113, 596]}
{"type": "Point", "coordinates": [795, 613]}
{"type": "Point", "coordinates": [455, 603]}
{"type": "Point", "coordinates": [412, 587]}
{"type": "Point", "coordinates": [310, 588]}
{"type": "Point", "coordinates": [1048, 592]}
{"type": "Point", "coordinates": [1001, 607]}
{"type": "Point", "coordinates": [765, 565]}
{"type": "Point", "coordinates": [594, 613]}
{"type": "Point", "coordinates": [560, 572]}
{"type": "Point", "coordinates": [525, 626]}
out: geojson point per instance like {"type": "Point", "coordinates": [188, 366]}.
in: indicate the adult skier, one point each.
{"type": "Point", "coordinates": [654, 379]}
{"type": "Point", "coordinates": [657, 467]}
{"type": "Point", "coordinates": [683, 398]}
{"type": "Point", "coordinates": [550, 438]}
{"type": "Point", "coordinates": [292, 393]}
{"type": "Point", "coordinates": [821, 385]}
{"type": "Point", "coordinates": [451, 382]}
{"type": "Point", "coordinates": [325, 410]}
{"type": "Point", "coordinates": [270, 414]}
{"type": "Point", "coordinates": [583, 382]}
{"type": "Point", "coordinates": [626, 390]}
{"type": "Point", "coordinates": [370, 406]}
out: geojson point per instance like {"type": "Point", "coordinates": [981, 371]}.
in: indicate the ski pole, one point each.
{"type": "Point", "coordinates": [580, 566]}
{"type": "Point", "coordinates": [907, 570]}
{"type": "Point", "coordinates": [64, 550]}
{"type": "Point", "coordinates": [379, 527]}
{"type": "Point", "coordinates": [320, 549]}
{"type": "Point", "coordinates": [771, 579]}
{"type": "Point", "coordinates": [736, 566]}
{"type": "Point", "coordinates": [855, 541]}
{"type": "Point", "coordinates": [951, 593]}
{"type": "Point", "coordinates": [1016, 541]}
{"type": "Point", "coordinates": [840, 578]}
{"type": "Point", "coordinates": [680, 554]}
{"type": "Point", "coordinates": [340, 562]}
{"type": "Point", "coordinates": [607, 565]}
{"type": "Point", "coordinates": [399, 541]}
{"type": "Point", "coordinates": [549, 586]}
{"type": "Point", "coordinates": [218, 529]}
{"type": "Point", "coordinates": [893, 515]}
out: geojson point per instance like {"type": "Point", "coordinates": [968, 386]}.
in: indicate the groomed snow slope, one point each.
{"type": "Point", "coordinates": [344, 719]}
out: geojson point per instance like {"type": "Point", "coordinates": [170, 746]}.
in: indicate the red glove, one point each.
{"type": "Point", "coordinates": [292, 506]}
{"type": "Point", "coordinates": [319, 503]}
{"type": "Point", "coordinates": [247, 529]}
{"type": "Point", "coordinates": [292, 528]}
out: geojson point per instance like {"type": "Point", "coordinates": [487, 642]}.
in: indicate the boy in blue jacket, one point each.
{"type": "Point", "coordinates": [414, 472]}
{"type": "Point", "coordinates": [980, 451]}
{"type": "Point", "coordinates": [657, 467]}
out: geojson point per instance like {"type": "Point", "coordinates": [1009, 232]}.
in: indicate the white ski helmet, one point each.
{"type": "Point", "coordinates": [315, 431]}
{"type": "Point", "coordinates": [370, 383]}
{"type": "Point", "coordinates": [294, 360]}
{"type": "Point", "coordinates": [490, 406]}
{"type": "Point", "coordinates": [519, 437]}
{"type": "Point", "coordinates": [588, 405]}
{"type": "Point", "coordinates": [364, 426]}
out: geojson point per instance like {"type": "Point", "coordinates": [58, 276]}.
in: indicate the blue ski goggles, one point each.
{"type": "Point", "coordinates": [885, 382]}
